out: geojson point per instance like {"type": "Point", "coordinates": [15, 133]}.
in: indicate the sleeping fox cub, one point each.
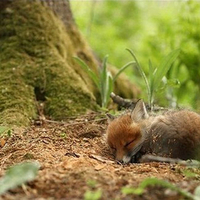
{"type": "Point", "coordinates": [175, 134]}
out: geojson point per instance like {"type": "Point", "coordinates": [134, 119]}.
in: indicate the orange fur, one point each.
{"type": "Point", "coordinates": [120, 132]}
{"type": "Point", "coordinates": [174, 134]}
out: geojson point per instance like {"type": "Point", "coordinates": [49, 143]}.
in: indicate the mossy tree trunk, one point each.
{"type": "Point", "coordinates": [36, 62]}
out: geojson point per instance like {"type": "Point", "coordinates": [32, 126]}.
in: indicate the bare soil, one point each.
{"type": "Point", "coordinates": [75, 158]}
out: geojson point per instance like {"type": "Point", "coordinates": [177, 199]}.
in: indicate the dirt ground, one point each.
{"type": "Point", "coordinates": [75, 159]}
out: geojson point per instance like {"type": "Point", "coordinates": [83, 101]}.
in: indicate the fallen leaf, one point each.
{"type": "Point", "coordinates": [72, 154]}
{"type": "Point", "coordinates": [2, 142]}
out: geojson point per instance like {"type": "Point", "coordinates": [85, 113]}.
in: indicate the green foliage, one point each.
{"type": "Point", "coordinates": [104, 81]}
{"type": "Point", "coordinates": [176, 25]}
{"type": "Point", "coordinates": [5, 131]}
{"type": "Point", "coordinates": [92, 183]}
{"type": "Point", "coordinates": [158, 182]}
{"type": "Point", "coordinates": [152, 29]}
{"type": "Point", "coordinates": [18, 175]}
{"type": "Point", "coordinates": [63, 135]}
{"type": "Point", "coordinates": [192, 172]}
{"type": "Point", "coordinates": [92, 195]}
{"type": "Point", "coordinates": [155, 74]}
{"type": "Point", "coordinates": [111, 23]}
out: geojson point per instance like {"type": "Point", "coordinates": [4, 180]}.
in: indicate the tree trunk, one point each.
{"type": "Point", "coordinates": [36, 62]}
{"type": "Point", "coordinates": [62, 9]}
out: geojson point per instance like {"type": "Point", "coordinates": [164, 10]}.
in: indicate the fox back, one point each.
{"type": "Point", "coordinates": [175, 134]}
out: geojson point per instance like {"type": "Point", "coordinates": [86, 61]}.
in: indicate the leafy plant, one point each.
{"type": "Point", "coordinates": [4, 130]}
{"type": "Point", "coordinates": [156, 74]}
{"type": "Point", "coordinates": [18, 175]}
{"type": "Point", "coordinates": [174, 25]}
{"type": "Point", "coordinates": [158, 182]}
{"type": "Point", "coordinates": [92, 195]}
{"type": "Point", "coordinates": [103, 80]}
{"type": "Point", "coordinates": [102, 28]}
{"type": "Point", "coordinates": [92, 183]}
{"type": "Point", "coordinates": [63, 135]}
{"type": "Point", "coordinates": [191, 172]}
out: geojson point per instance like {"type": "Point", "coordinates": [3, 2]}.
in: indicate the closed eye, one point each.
{"type": "Point", "coordinates": [127, 144]}
{"type": "Point", "coordinates": [113, 148]}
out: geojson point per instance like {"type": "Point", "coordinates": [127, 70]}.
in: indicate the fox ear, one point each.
{"type": "Point", "coordinates": [110, 117]}
{"type": "Point", "coordinates": [139, 112]}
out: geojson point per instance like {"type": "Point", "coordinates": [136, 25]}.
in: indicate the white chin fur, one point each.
{"type": "Point", "coordinates": [126, 159]}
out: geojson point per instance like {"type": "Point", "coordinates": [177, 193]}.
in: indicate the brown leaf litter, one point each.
{"type": "Point", "coordinates": [73, 154]}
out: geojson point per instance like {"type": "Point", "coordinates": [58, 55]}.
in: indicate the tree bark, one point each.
{"type": "Point", "coordinates": [36, 63]}
{"type": "Point", "coordinates": [62, 9]}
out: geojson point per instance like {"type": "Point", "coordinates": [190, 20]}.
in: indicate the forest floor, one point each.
{"type": "Point", "coordinates": [76, 162]}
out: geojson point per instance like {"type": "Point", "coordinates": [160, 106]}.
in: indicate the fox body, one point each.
{"type": "Point", "coordinates": [174, 134]}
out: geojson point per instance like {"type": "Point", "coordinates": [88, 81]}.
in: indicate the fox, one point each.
{"type": "Point", "coordinates": [172, 134]}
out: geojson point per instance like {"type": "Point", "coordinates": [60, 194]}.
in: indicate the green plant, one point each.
{"type": "Point", "coordinates": [18, 175]}
{"type": "Point", "coordinates": [103, 80]}
{"type": "Point", "coordinates": [102, 28]}
{"type": "Point", "coordinates": [156, 74]}
{"type": "Point", "coordinates": [158, 182]}
{"type": "Point", "coordinates": [92, 195]}
{"type": "Point", "coordinates": [4, 130]}
{"type": "Point", "coordinates": [63, 135]}
{"type": "Point", "coordinates": [172, 27]}
{"type": "Point", "coordinates": [92, 183]}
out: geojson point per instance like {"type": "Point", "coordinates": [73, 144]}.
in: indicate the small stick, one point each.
{"type": "Point", "coordinates": [122, 102]}
{"type": "Point", "coordinates": [128, 104]}
{"type": "Point", "coordinates": [74, 123]}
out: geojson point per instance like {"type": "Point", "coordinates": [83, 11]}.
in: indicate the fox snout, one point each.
{"type": "Point", "coordinates": [122, 157]}
{"type": "Point", "coordinates": [129, 157]}
{"type": "Point", "coordinates": [124, 160]}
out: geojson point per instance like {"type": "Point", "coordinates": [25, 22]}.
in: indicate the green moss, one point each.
{"type": "Point", "coordinates": [17, 103]}
{"type": "Point", "coordinates": [36, 52]}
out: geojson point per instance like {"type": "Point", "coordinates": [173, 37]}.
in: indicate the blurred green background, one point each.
{"type": "Point", "coordinates": [151, 29]}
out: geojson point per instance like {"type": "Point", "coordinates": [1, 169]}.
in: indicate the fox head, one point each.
{"type": "Point", "coordinates": [124, 134]}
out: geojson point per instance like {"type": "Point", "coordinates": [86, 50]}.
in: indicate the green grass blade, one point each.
{"type": "Point", "coordinates": [103, 81]}
{"type": "Point", "coordinates": [155, 182]}
{"type": "Point", "coordinates": [130, 190]}
{"type": "Point", "coordinates": [151, 84]}
{"type": "Point", "coordinates": [165, 184]}
{"type": "Point", "coordinates": [93, 195]}
{"type": "Point", "coordinates": [109, 88]}
{"type": "Point", "coordinates": [165, 66]}
{"type": "Point", "coordinates": [85, 67]}
{"type": "Point", "coordinates": [151, 73]}
{"type": "Point", "coordinates": [140, 70]}
{"type": "Point", "coordinates": [122, 69]}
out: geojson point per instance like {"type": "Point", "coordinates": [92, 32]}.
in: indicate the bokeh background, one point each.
{"type": "Point", "coordinates": [152, 29]}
